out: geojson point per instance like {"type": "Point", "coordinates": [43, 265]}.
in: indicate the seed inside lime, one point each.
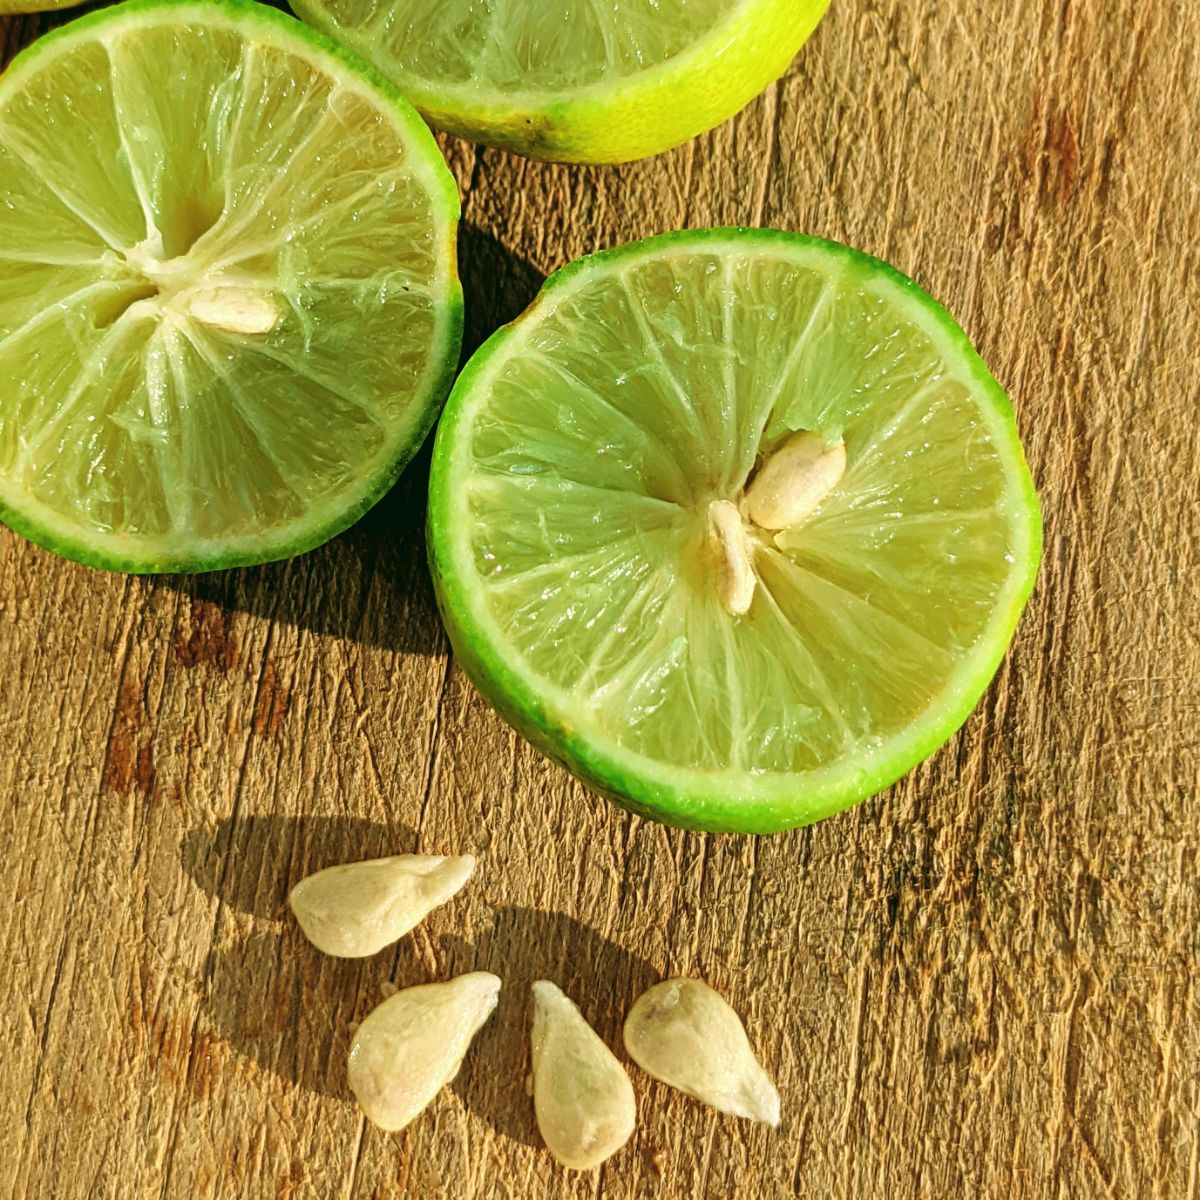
{"type": "Point", "coordinates": [608, 468]}
{"type": "Point", "coordinates": [576, 80]}
{"type": "Point", "coordinates": [229, 307]}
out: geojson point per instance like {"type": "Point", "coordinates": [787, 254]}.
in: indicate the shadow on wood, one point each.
{"type": "Point", "coordinates": [272, 995]}
{"type": "Point", "coordinates": [371, 585]}
{"type": "Point", "coordinates": [251, 863]}
{"type": "Point", "coordinates": [524, 945]}
{"type": "Point", "coordinates": [291, 1010]}
{"type": "Point", "coordinates": [498, 285]}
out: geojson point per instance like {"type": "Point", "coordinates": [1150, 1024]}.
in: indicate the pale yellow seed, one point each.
{"type": "Point", "coordinates": [793, 482]}
{"type": "Point", "coordinates": [412, 1045]}
{"type": "Point", "coordinates": [682, 1032]}
{"type": "Point", "coordinates": [357, 909]}
{"type": "Point", "coordinates": [233, 309]}
{"type": "Point", "coordinates": [735, 576]}
{"type": "Point", "coordinates": [581, 1094]}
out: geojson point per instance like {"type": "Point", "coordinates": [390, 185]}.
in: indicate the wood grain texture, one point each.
{"type": "Point", "coordinates": [982, 983]}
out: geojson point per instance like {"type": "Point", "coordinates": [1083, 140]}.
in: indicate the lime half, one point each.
{"type": "Point", "coordinates": [576, 80]}
{"type": "Point", "coordinates": [735, 524]}
{"type": "Point", "coordinates": [229, 307]}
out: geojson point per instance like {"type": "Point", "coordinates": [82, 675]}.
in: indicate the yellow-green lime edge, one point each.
{"type": "Point", "coordinates": [606, 123]}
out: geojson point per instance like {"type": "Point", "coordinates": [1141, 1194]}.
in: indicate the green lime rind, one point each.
{"type": "Point", "coordinates": [281, 28]}
{"type": "Point", "coordinates": [622, 120]}
{"type": "Point", "coordinates": [696, 799]}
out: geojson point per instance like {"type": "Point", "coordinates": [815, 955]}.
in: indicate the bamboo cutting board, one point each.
{"type": "Point", "coordinates": [981, 983]}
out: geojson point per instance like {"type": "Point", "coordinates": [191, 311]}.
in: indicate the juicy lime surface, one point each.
{"type": "Point", "coordinates": [578, 80]}
{"type": "Point", "coordinates": [573, 473]}
{"type": "Point", "coordinates": [229, 306]}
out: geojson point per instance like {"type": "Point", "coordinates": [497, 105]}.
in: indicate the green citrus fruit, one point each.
{"type": "Point", "coordinates": [229, 306]}
{"type": "Point", "coordinates": [735, 524]}
{"type": "Point", "coordinates": [574, 81]}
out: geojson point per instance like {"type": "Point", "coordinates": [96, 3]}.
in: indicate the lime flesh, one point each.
{"type": "Point", "coordinates": [229, 307]}
{"type": "Point", "coordinates": [578, 80]}
{"type": "Point", "coordinates": [574, 473]}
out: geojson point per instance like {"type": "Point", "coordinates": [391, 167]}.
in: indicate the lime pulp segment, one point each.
{"type": "Point", "coordinates": [579, 80]}
{"type": "Point", "coordinates": [229, 306]}
{"type": "Point", "coordinates": [590, 444]}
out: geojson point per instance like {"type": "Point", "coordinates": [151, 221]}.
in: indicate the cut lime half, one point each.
{"type": "Point", "coordinates": [632, 570]}
{"type": "Point", "coordinates": [575, 80]}
{"type": "Point", "coordinates": [229, 306]}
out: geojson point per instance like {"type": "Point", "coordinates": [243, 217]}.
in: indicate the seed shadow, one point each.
{"type": "Point", "coordinates": [251, 863]}
{"type": "Point", "coordinates": [521, 946]}
{"type": "Point", "coordinates": [291, 1010]}
{"type": "Point", "coordinates": [370, 584]}
{"type": "Point", "coordinates": [272, 995]}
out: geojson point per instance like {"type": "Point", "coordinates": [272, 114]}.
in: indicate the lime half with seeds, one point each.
{"type": "Point", "coordinates": [229, 306]}
{"type": "Point", "coordinates": [574, 80]}
{"type": "Point", "coordinates": [735, 524]}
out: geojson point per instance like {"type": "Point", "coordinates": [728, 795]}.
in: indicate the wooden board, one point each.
{"type": "Point", "coordinates": [982, 983]}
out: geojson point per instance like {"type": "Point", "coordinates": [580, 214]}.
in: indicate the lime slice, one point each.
{"type": "Point", "coordinates": [229, 307]}
{"type": "Point", "coordinates": [709, 653]}
{"type": "Point", "coordinates": [577, 80]}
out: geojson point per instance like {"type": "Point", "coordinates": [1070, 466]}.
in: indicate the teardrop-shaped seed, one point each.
{"type": "Point", "coordinates": [356, 909]}
{"type": "Point", "coordinates": [682, 1032]}
{"type": "Point", "coordinates": [735, 576]}
{"type": "Point", "coordinates": [233, 309]}
{"type": "Point", "coordinates": [794, 481]}
{"type": "Point", "coordinates": [581, 1094]}
{"type": "Point", "coordinates": [413, 1044]}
